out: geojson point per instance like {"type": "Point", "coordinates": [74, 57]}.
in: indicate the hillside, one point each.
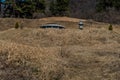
{"type": "Point", "coordinates": [69, 23]}
{"type": "Point", "coordinates": [7, 23]}
{"type": "Point", "coordinates": [52, 54]}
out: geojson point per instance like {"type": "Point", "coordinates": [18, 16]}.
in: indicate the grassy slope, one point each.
{"type": "Point", "coordinates": [71, 54]}
{"type": "Point", "coordinates": [7, 23]}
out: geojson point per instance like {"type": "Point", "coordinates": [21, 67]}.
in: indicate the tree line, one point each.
{"type": "Point", "coordinates": [26, 8]}
{"type": "Point", "coordinates": [100, 10]}
{"type": "Point", "coordinates": [104, 5]}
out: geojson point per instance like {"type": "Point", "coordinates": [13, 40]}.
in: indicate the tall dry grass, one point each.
{"type": "Point", "coordinates": [51, 54]}
{"type": "Point", "coordinates": [56, 37]}
{"type": "Point", "coordinates": [19, 62]}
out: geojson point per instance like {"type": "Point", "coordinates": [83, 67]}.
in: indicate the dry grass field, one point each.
{"type": "Point", "coordinates": [52, 54]}
{"type": "Point", "coordinates": [70, 23]}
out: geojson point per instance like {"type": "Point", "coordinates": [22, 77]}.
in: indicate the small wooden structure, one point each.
{"type": "Point", "coordinates": [52, 25]}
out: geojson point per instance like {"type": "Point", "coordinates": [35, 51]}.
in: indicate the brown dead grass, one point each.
{"type": "Point", "coordinates": [51, 54]}
{"type": "Point", "coordinates": [69, 23]}
{"type": "Point", "coordinates": [55, 37]}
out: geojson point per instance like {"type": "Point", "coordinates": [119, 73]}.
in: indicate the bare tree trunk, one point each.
{"type": "Point", "coordinates": [0, 7]}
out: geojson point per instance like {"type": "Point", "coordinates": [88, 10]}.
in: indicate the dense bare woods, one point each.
{"type": "Point", "coordinates": [99, 10]}
{"type": "Point", "coordinates": [88, 9]}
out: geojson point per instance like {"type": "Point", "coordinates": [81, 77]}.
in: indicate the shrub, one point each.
{"type": "Point", "coordinates": [110, 27]}
{"type": "Point", "coordinates": [16, 25]}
